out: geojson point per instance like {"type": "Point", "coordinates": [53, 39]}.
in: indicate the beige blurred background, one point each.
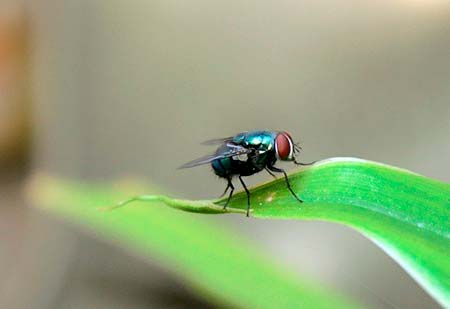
{"type": "Point", "coordinates": [120, 89]}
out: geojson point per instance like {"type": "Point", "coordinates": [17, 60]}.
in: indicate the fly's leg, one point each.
{"type": "Point", "coordinates": [272, 174]}
{"type": "Point", "coordinates": [304, 164]}
{"type": "Point", "coordinates": [226, 190]}
{"type": "Point", "coordinates": [279, 170]}
{"type": "Point", "coordinates": [248, 194]}
{"type": "Point", "coordinates": [230, 185]}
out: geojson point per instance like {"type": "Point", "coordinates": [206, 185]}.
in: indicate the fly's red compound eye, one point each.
{"type": "Point", "coordinates": [283, 146]}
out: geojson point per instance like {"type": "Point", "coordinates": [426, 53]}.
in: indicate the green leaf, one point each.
{"type": "Point", "coordinates": [406, 214]}
{"type": "Point", "coordinates": [215, 262]}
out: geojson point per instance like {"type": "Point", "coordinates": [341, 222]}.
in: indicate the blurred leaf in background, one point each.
{"type": "Point", "coordinates": [218, 264]}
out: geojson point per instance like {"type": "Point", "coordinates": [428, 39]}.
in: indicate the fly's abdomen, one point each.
{"type": "Point", "coordinates": [222, 167]}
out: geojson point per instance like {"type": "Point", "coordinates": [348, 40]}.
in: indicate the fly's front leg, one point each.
{"type": "Point", "coordinates": [304, 164]}
{"type": "Point", "coordinates": [279, 170]}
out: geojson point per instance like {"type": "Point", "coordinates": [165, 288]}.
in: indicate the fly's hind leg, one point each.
{"type": "Point", "coordinates": [229, 185]}
{"type": "Point", "coordinates": [226, 190]}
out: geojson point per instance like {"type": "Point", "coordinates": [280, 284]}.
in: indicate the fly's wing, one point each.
{"type": "Point", "coordinates": [230, 150]}
{"type": "Point", "coordinates": [203, 160]}
{"type": "Point", "coordinates": [218, 141]}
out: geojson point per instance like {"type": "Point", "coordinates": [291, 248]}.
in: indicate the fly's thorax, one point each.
{"type": "Point", "coordinates": [260, 141]}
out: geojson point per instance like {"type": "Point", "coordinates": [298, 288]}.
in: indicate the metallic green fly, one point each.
{"type": "Point", "coordinates": [249, 153]}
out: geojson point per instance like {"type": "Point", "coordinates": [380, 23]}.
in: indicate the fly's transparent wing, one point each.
{"type": "Point", "coordinates": [218, 141]}
{"type": "Point", "coordinates": [203, 160]}
{"type": "Point", "coordinates": [228, 150]}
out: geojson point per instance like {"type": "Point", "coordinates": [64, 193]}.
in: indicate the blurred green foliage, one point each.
{"type": "Point", "coordinates": [216, 263]}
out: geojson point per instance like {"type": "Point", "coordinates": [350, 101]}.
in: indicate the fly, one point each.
{"type": "Point", "coordinates": [249, 153]}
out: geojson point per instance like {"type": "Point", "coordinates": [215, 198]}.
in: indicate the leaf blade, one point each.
{"type": "Point", "coordinates": [406, 214]}
{"type": "Point", "coordinates": [215, 262]}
